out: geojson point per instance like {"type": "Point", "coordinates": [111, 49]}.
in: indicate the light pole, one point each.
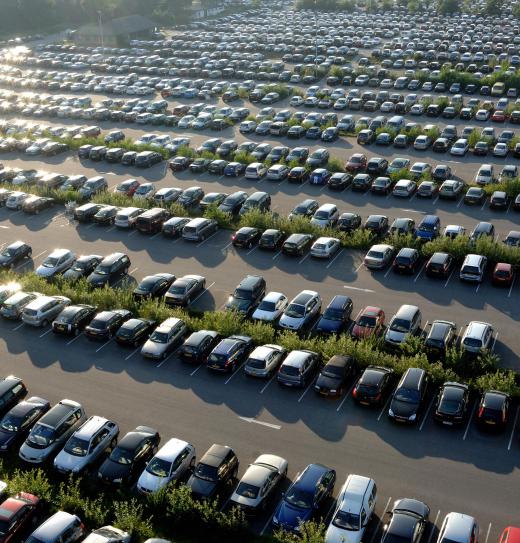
{"type": "Point", "coordinates": [100, 24]}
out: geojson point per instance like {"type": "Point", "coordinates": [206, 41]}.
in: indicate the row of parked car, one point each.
{"type": "Point", "coordinates": [81, 444]}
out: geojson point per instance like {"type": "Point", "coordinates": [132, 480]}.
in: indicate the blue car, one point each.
{"type": "Point", "coordinates": [429, 228]}
{"type": "Point", "coordinates": [336, 316]}
{"type": "Point", "coordinates": [234, 169]}
{"type": "Point", "coordinates": [305, 498]}
{"type": "Point", "coordinates": [319, 176]}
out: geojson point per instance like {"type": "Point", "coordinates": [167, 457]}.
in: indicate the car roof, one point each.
{"type": "Point", "coordinates": [310, 476]}
{"type": "Point", "coordinates": [92, 425]}
{"type": "Point", "coordinates": [171, 449]}
{"type": "Point", "coordinates": [458, 527]}
{"type": "Point", "coordinates": [296, 358]}
{"type": "Point", "coordinates": [112, 258]}
{"type": "Point", "coordinates": [215, 454]}
{"type": "Point", "coordinates": [355, 489]}
{"type": "Point", "coordinates": [132, 439]}
{"type": "Point", "coordinates": [54, 525]}
{"type": "Point", "coordinates": [273, 296]}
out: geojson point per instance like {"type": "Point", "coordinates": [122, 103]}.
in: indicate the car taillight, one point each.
{"type": "Point", "coordinates": [354, 393]}
{"type": "Point", "coordinates": [503, 417]}
{"type": "Point", "coordinates": [378, 397]}
{"type": "Point", "coordinates": [233, 236]}
{"type": "Point", "coordinates": [82, 526]}
{"type": "Point", "coordinates": [480, 412]}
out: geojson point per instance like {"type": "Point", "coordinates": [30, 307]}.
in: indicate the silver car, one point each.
{"type": "Point", "coordinates": [57, 262]}
{"type": "Point", "coordinates": [259, 482]}
{"type": "Point", "coordinates": [14, 305]}
{"type": "Point", "coordinates": [86, 445]}
{"type": "Point", "coordinates": [264, 360]}
{"type": "Point", "coordinates": [458, 528]}
{"type": "Point", "coordinates": [164, 338]}
{"type": "Point", "coordinates": [43, 310]}
{"type": "Point", "coordinates": [62, 527]}
{"type": "Point", "coordinates": [108, 534]}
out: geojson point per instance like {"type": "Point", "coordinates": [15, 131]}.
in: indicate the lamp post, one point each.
{"type": "Point", "coordinates": [100, 24]}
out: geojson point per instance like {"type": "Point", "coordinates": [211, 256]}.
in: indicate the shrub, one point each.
{"type": "Point", "coordinates": [129, 516]}
{"type": "Point", "coordinates": [70, 498]}
{"type": "Point", "coordinates": [34, 482]}
{"type": "Point", "coordinates": [503, 380]}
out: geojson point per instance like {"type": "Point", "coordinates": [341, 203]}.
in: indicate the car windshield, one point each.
{"type": "Point", "coordinates": [375, 254]}
{"type": "Point", "coordinates": [42, 436]}
{"type": "Point", "coordinates": [332, 314]}
{"type": "Point", "coordinates": [400, 325]}
{"type": "Point", "coordinates": [347, 521]}
{"type": "Point", "coordinates": [289, 370]}
{"type": "Point", "coordinates": [103, 270]}
{"type": "Point", "coordinates": [178, 289]}
{"type": "Point", "coordinates": [450, 406]}
{"type": "Point", "coordinates": [122, 456]}
{"type": "Point", "coordinates": [472, 342]}
{"type": "Point", "coordinates": [159, 467]}
{"type": "Point", "coordinates": [428, 227]}
{"type": "Point", "coordinates": [50, 262]}
{"type": "Point", "coordinates": [77, 446]}
{"type": "Point", "coordinates": [11, 423]}
{"type": "Point", "coordinates": [247, 491]}
{"type": "Point", "coordinates": [267, 306]}
{"type": "Point", "coordinates": [407, 395]}
{"type": "Point", "coordinates": [295, 311]}
{"type": "Point", "coordinates": [297, 498]}
{"type": "Point", "coordinates": [367, 321]}
{"type": "Point", "coordinates": [9, 252]}
{"type": "Point", "coordinates": [208, 473]}
{"type": "Point", "coordinates": [159, 337]}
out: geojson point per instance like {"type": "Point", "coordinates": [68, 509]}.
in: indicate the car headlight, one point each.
{"type": "Point", "coordinates": [390, 412]}
{"type": "Point", "coordinates": [275, 520]}
{"type": "Point", "coordinates": [333, 391]}
{"type": "Point", "coordinates": [120, 480]}
{"type": "Point", "coordinates": [3, 447]}
{"type": "Point", "coordinates": [412, 417]}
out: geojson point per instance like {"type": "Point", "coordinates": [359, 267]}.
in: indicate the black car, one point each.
{"type": "Point", "coordinates": [84, 151]}
{"type": "Point", "coordinates": [298, 174]}
{"type": "Point", "coordinates": [408, 521]}
{"type": "Point", "coordinates": [191, 197]}
{"type": "Point", "coordinates": [377, 166]}
{"type": "Point", "coordinates": [440, 338]}
{"type": "Point", "coordinates": [185, 289]}
{"type": "Point", "coordinates": [173, 227]}
{"type": "Point", "coordinates": [82, 267]}
{"type": "Point", "coordinates": [475, 196]}
{"type": "Point", "coordinates": [232, 203]}
{"type": "Point", "coordinates": [439, 265]}
{"type": "Point", "coordinates": [216, 469]}
{"type": "Point", "coordinates": [73, 319]}
{"type": "Point", "coordinates": [105, 324]}
{"type": "Point", "coordinates": [373, 386]}
{"type": "Point", "coordinates": [179, 163]}
{"type": "Point", "coordinates": [271, 239]}
{"type": "Point", "coordinates": [12, 390]}
{"type": "Point", "coordinates": [381, 185]}
{"type": "Point", "coordinates": [361, 182]}
{"type": "Point", "coordinates": [339, 181]}
{"type": "Point", "coordinates": [406, 261]}
{"type": "Point", "coordinates": [246, 237]}
{"type": "Point", "coordinates": [85, 212]}
{"type": "Point", "coordinates": [409, 396]}
{"type": "Point", "coordinates": [335, 375]}
{"type": "Point", "coordinates": [109, 270]}
{"type": "Point", "coordinates": [377, 224]}
{"type": "Point", "coordinates": [106, 215]}
{"type": "Point", "coordinates": [493, 410]}
{"type": "Point", "coordinates": [348, 222]}
{"type": "Point", "coordinates": [212, 199]}
{"type": "Point", "coordinates": [130, 456]}
{"type": "Point", "coordinates": [14, 253]}
{"type": "Point", "coordinates": [198, 345]}
{"type": "Point", "coordinates": [134, 331]}
{"type": "Point", "coordinates": [17, 422]}
{"type": "Point", "coordinates": [146, 159]}
{"type": "Point", "coordinates": [306, 209]}
{"type": "Point", "coordinates": [297, 244]}
{"type": "Point", "coordinates": [199, 165]}
{"type": "Point", "coordinates": [153, 286]}
{"type": "Point", "coordinates": [229, 353]}
{"type": "Point", "coordinates": [452, 404]}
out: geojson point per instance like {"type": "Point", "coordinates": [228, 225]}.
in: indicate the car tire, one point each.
{"type": "Point", "coordinates": [45, 323]}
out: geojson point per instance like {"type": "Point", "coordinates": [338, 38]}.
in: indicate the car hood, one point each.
{"type": "Point", "coordinates": [112, 470]}
{"type": "Point", "coordinates": [328, 382]}
{"type": "Point", "coordinates": [6, 438]}
{"type": "Point", "coordinates": [238, 304]}
{"type": "Point", "coordinates": [395, 337]}
{"type": "Point", "coordinates": [68, 462]}
{"type": "Point", "coordinates": [43, 271]}
{"type": "Point", "coordinates": [326, 325]}
{"type": "Point", "coordinates": [95, 279]}
{"type": "Point", "coordinates": [150, 482]}
{"type": "Point", "coordinates": [291, 322]}
{"type": "Point", "coordinates": [362, 331]}
{"type": "Point", "coordinates": [151, 347]}
{"type": "Point", "coordinates": [72, 274]}
{"type": "Point", "coordinates": [403, 409]}
{"type": "Point", "coordinates": [291, 516]}
{"type": "Point", "coordinates": [262, 315]}
{"type": "Point", "coordinates": [5, 260]}
{"type": "Point", "coordinates": [338, 535]}
{"type": "Point", "coordinates": [201, 487]}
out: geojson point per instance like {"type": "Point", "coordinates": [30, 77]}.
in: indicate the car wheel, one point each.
{"type": "Point", "coordinates": [76, 331]}
{"type": "Point", "coordinates": [163, 355]}
{"type": "Point", "coordinates": [249, 245]}
{"type": "Point", "coordinates": [45, 322]}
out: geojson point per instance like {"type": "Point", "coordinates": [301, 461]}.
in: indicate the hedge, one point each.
{"type": "Point", "coordinates": [365, 352]}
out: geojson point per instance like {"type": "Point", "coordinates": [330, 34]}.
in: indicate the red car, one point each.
{"type": "Point", "coordinates": [369, 322]}
{"type": "Point", "coordinates": [180, 163]}
{"type": "Point", "coordinates": [15, 513]}
{"type": "Point", "coordinates": [127, 187]}
{"type": "Point", "coordinates": [503, 274]}
{"type": "Point", "coordinates": [499, 116]}
{"type": "Point", "coordinates": [356, 163]}
{"type": "Point", "coordinates": [511, 534]}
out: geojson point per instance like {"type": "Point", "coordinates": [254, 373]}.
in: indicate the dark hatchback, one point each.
{"type": "Point", "coordinates": [110, 269]}
{"type": "Point", "coordinates": [493, 410]}
{"type": "Point", "coordinates": [130, 456]}
{"type": "Point", "coordinates": [14, 253]}
{"type": "Point", "coordinates": [229, 353]}
{"type": "Point", "coordinates": [305, 209]}
{"type": "Point", "coordinates": [297, 244]}
{"type": "Point", "coordinates": [73, 319]}
{"type": "Point", "coordinates": [105, 324]}
{"type": "Point", "coordinates": [216, 469]}
{"type": "Point", "coordinates": [439, 265]}
{"type": "Point", "coordinates": [373, 386]}
{"type": "Point", "coordinates": [83, 267]}
{"type": "Point", "coordinates": [440, 338]}
{"type": "Point", "coordinates": [409, 396]}
{"type": "Point", "coordinates": [335, 375]}
{"type": "Point", "coordinates": [306, 498]}
{"type": "Point", "coordinates": [173, 227]}
{"type": "Point", "coordinates": [340, 181]}
{"type": "Point", "coordinates": [16, 423]}
{"type": "Point", "coordinates": [348, 222]}
{"type": "Point", "coordinates": [336, 317]}
{"type": "Point", "coordinates": [408, 522]}
{"type": "Point", "coordinates": [246, 237]}
{"type": "Point", "coordinates": [233, 202]}
{"type": "Point", "coordinates": [271, 239]}
{"type": "Point", "coordinates": [153, 286]}
{"type": "Point", "coordinates": [406, 261]}
{"type": "Point", "coordinates": [452, 404]}
{"type": "Point", "coordinates": [12, 390]}
{"type": "Point", "coordinates": [198, 345]}
{"type": "Point", "coordinates": [134, 331]}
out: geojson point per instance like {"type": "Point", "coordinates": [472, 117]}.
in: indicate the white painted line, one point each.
{"type": "Point", "coordinates": [132, 353]}
{"type": "Point", "coordinates": [45, 333]}
{"type": "Point", "coordinates": [269, 520]}
{"type": "Point", "coordinates": [277, 254]}
{"type": "Point", "coordinates": [487, 534]}
{"type": "Point", "coordinates": [4, 227]}
{"type": "Point", "coordinates": [167, 358]}
{"type": "Point", "coordinates": [225, 247]}
{"type": "Point", "coordinates": [385, 407]}
{"type": "Point", "coordinates": [388, 270]}
{"type": "Point", "coordinates": [104, 345]}
{"type": "Point", "coordinates": [436, 199]}
{"type": "Point", "coordinates": [483, 205]}
{"type": "Point", "coordinates": [204, 241]}
{"type": "Point", "coordinates": [477, 288]}
{"type": "Point", "coordinates": [426, 414]}
{"type": "Point", "coordinates": [132, 233]}
{"type": "Point", "coordinates": [359, 267]}
{"type": "Point", "coordinates": [449, 277]}
{"type": "Point", "coordinates": [494, 342]}
{"type": "Point", "coordinates": [39, 254]}
{"type": "Point", "coordinates": [196, 370]}
{"type": "Point", "coordinates": [511, 287]}
{"type": "Point", "coordinates": [235, 372]}
{"type": "Point", "coordinates": [347, 395]}
{"type": "Point", "coordinates": [155, 235]}
{"type": "Point", "coordinates": [201, 293]}
{"type": "Point", "coordinates": [513, 430]}
{"type": "Point", "coordinates": [331, 262]}
{"type": "Point", "coordinates": [304, 258]}
{"type": "Point", "coordinates": [251, 250]}
{"type": "Point", "coordinates": [267, 384]}
{"type": "Point", "coordinates": [133, 271]}
{"type": "Point", "coordinates": [358, 289]}
{"type": "Point", "coordinates": [460, 202]}
{"type": "Point", "coordinates": [113, 228]}
{"type": "Point", "coordinates": [469, 422]}
{"type": "Point", "coordinates": [433, 526]}
{"type": "Point", "coordinates": [380, 520]}
{"type": "Point", "coordinates": [419, 274]}
{"type": "Point", "coordinates": [74, 339]}
{"type": "Point", "coordinates": [311, 384]}
{"type": "Point", "coordinates": [260, 422]}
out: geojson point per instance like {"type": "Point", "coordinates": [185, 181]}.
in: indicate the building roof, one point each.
{"type": "Point", "coordinates": [130, 24]}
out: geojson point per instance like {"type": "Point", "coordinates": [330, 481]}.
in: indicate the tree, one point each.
{"type": "Point", "coordinates": [516, 10]}
{"type": "Point", "coordinates": [492, 7]}
{"type": "Point", "coordinates": [445, 7]}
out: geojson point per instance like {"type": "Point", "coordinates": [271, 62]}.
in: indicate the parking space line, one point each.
{"type": "Point", "coordinates": [448, 280]}
{"type": "Point", "coordinates": [201, 293]}
{"type": "Point", "coordinates": [331, 262]}
{"type": "Point", "coordinates": [380, 520]}
{"type": "Point", "coordinates": [168, 357]}
{"type": "Point", "coordinates": [235, 372]}
{"type": "Point", "coordinates": [304, 258]}
{"type": "Point", "coordinates": [19, 326]}
{"type": "Point", "coordinates": [426, 414]}
{"type": "Point", "coordinates": [269, 520]}
{"type": "Point", "coordinates": [39, 254]}
{"type": "Point", "coordinates": [420, 271]}
{"type": "Point", "coordinates": [436, 199]}
{"type": "Point", "coordinates": [347, 395]}
{"type": "Point", "coordinates": [307, 390]}
{"type": "Point", "coordinates": [469, 422]}
{"type": "Point", "coordinates": [133, 271]}
{"type": "Point", "coordinates": [385, 407]}
{"type": "Point", "coordinates": [267, 384]}
{"type": "Point", "coordinates": [388, 271]}
{"type": "Point", "coordinates": [195, 370]}
{"type": "Point", "coordinates": [73, 339]}
{"type": "Point", "coordinates": [433, 524]}
{"type": "Point", "coordinates": [513, 430]}
{"type": "Point", "coordinates": [511, 287]}
{"type": "Point", "coordinates": [132, 353]}
{"type": "Point", "coordinates": [225, 247]}
{"type": "Point", "coordinates": [251, 250]}
{"type": "Point", "coordinates": [483, 205]}
{"type": "Point", "coordinates": [477, 288]}
{"type": "Point", "coordinates": [460, 202]}
{"type": "Point", "coordinates": [45, 333]}
{"type": "Point", "coordinates": [104, 345]}
{"type": "Point", "coordinates": [153, 237]}
{"type": "Point", "coordinates": [132, 233]}
{"type": "Point", "coordinates": [114, 227]}
{"type": "Point", "coordinates": [488, 531]}
{"type": "Point", "coordinates": [494, 342]}
{"type": "Point", "coordinates": [277, 254]}
{"type": "Point", "coordinates": [204, 241]}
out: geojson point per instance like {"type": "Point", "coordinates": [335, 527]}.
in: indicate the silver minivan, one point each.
{"type": "Point", "coordinates": [199, 229]}
{"type": "Point", "coordinates": [43, 310]}
{"type": "Point", "coordinates": [50, 433]}
{"type": "Point", "coordinates": [406, 322]}
{"type": "Point", "coordinates": [473, 268]}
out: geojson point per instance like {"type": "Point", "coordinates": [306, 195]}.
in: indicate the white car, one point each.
{"type": "Point", "coordinates": [57, 262]}
{"type": "Point", "coordinates": [16, 199]}
{"type": "Point", "coordinates": [482, 115]}
{"type": "Point", "coordinates": [460, 147]}
{"type": "Point", "coordinates": [146, 191]}
{"type": "Point", "coordinates": [404, 188]}
{"type": "Point", "coordinates": [170, 463]}
{"type": "Point", "coordinates": [422, 142]}
{"type": "Point", "coordinates": [378, 256]}
{"type": "Point", "coordinates": [127, 216]}
{"type": "Point", "coordinates": [167, 194]}
{"type": "Point", "coordinates": [325, 215]}
{"type": "Point", "coordinates": [454, 230]}
{"type": "Point", "coordinates": [247, 127]}
{"type": "Point", "coordinates": [500, 149]}
{"type": "Point", "coordinates": [325, 247]}
{"type": "Point", "coordinates": [485, 175]}
{"type": "Point", "coordinates": [271, 307]}
{"type": "Point", "coordinates": [108, 534]}
{"type": "Point", "coordinates": [277, 172]}
{"type": "Point", "coordinates": [296, 101]}
{"type": "Point", "coordinates": [255, 170]}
